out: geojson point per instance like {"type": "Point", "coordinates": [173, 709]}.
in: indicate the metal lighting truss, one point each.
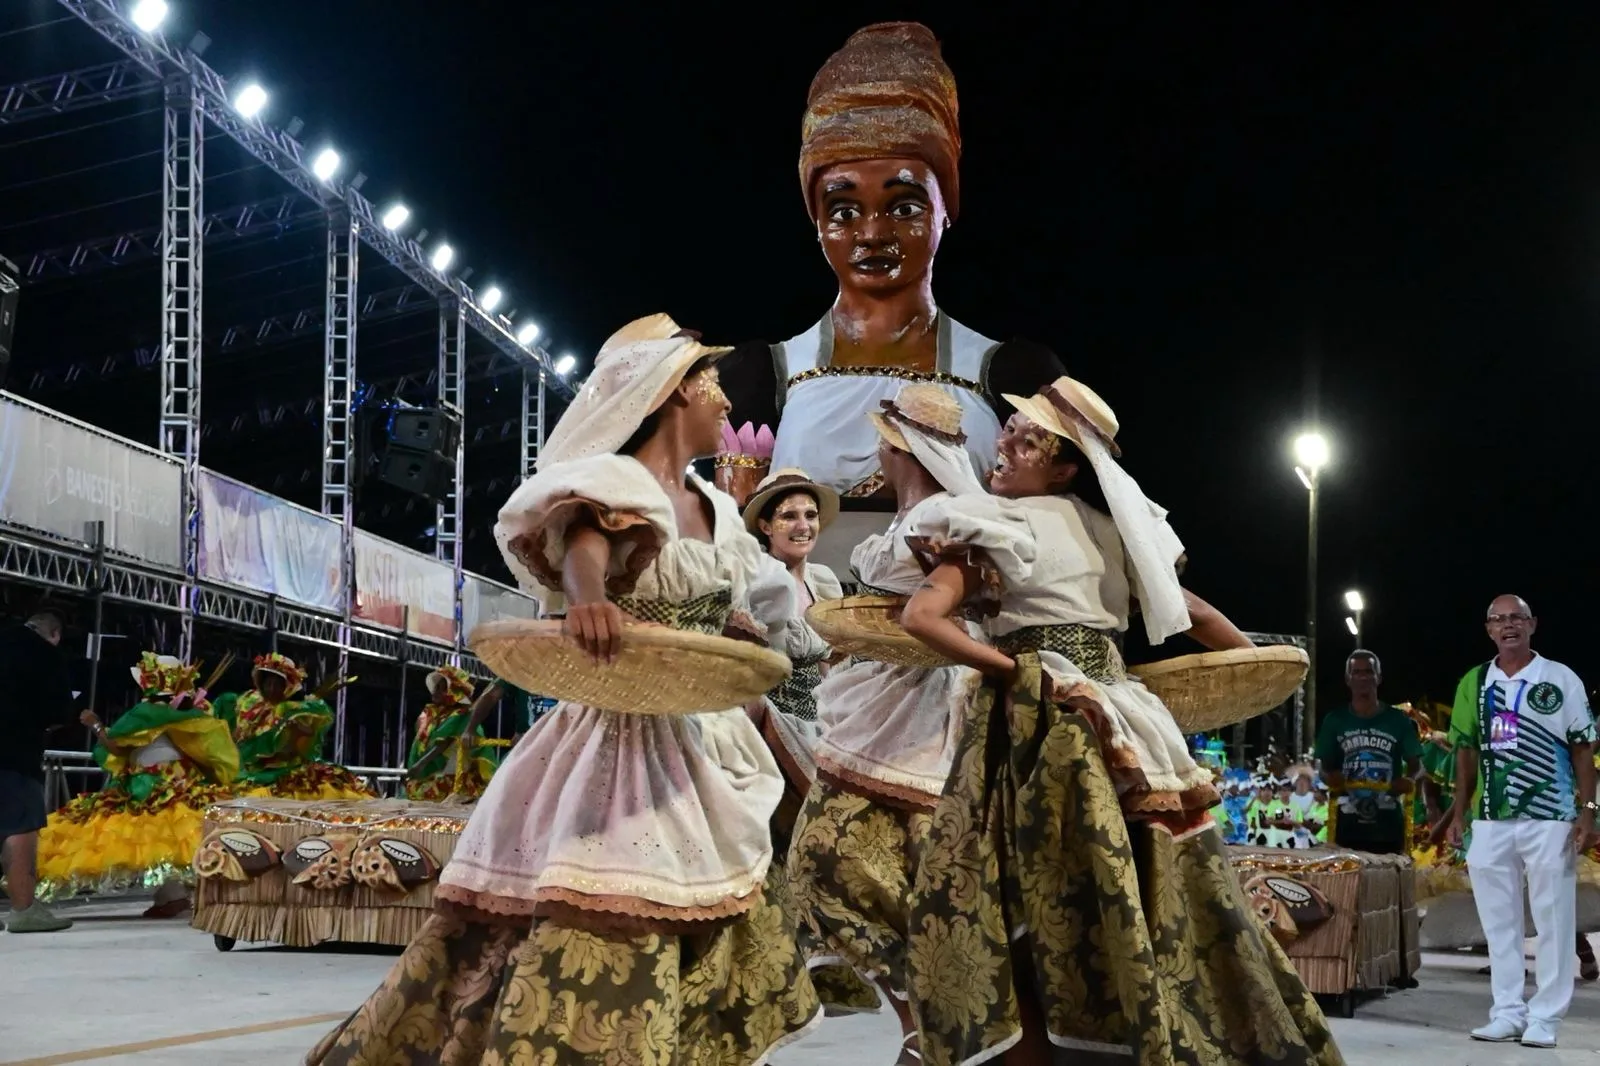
{"type": "Point", "coordinates": [59, 94]}
{"type": "Point", "coordinates": [275, 216]}
{"type": "Point", "coordinates": [532, 423]}
{"type": "Point", "coordinates": [452, 400]}
{"type": "Point", "coordinates": [182, 183]}
{"type": "Point", "coordinates": [338, 390]}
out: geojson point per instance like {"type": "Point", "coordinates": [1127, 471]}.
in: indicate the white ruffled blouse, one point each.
{"type": "Point", "coordinates": [655, 815]}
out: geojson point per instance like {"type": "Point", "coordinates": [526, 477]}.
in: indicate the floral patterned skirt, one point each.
{"type": "Point", "coordinates": [466, 993]}
{"type": "Point", "coordinates": [1134, 933]}
{"type": "Point", "coordinates": [851, 867]}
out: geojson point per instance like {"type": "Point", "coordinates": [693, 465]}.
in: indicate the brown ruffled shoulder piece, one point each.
{"type": "Point", "coordinates": [932, 552]}
{"type": "Point", "coordinates": [532, 549]}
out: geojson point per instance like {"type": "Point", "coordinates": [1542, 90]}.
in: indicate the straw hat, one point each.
{"type": "Point", "coordinates": [928, 407]}
{"type": "Point", "coordinates": [781, 483]}
{"type": "Point", "coordinates": [281, 665]}
{"type": "Point", "coordinates": [1065, 407]}
{"type": "Point", "coordinates": [636, 370]}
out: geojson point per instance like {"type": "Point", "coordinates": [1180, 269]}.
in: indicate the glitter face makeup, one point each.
{"type": "Point", "coordinates": [1026, 456]}
{"type": "Point", "coordinates": [793, 529]}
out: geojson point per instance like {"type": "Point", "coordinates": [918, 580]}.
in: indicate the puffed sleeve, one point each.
{"type": "Point", "coordinates": [825, 583]}
{"type": "Point", "coordinates": [610, 492]}
{"type": "Point", "coordinates": [986, 532]}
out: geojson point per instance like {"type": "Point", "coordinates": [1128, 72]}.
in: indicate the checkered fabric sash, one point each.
{"type": "Point", "coordinates": [1090, 650]}
{"type": "Point", "coordinates": [700, 614]}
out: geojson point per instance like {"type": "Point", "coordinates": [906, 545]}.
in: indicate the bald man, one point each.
{"type": "Point", "coordinates": [1525, 780]}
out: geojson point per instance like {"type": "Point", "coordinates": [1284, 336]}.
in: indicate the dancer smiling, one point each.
{"type": "Point", "coordinates": [1073, 892]}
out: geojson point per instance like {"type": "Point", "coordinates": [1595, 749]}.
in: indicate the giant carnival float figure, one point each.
{"type": "Point", "coordinates": [879, 154]}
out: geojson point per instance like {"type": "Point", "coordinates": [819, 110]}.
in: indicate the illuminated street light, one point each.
{"type": "Point", "coordinates": [1311, 454]}
{"type": "Point", "coordinates": [528, 333]}
{"type": "Point", "coordinates": [396, 216]}
{"type": "Point", "coordinates": [149, 14]}
{"type": "Point", "coordinates": [442, 257]}
{"type": "Point", "coordinates": [250, 101]}
{"type": "Point", "coordinates": [491, 298]}
{"type": "Point", "coordinates": [1353, 626]}
{"type": "Point", "coordinates": [326, 165]}
{"type": "Point", "coordinates": [1356, 604]}
{"type": "Point", "coordinates": [565, 364]}
{"type": "Point", "coordinates": [1353, 600]}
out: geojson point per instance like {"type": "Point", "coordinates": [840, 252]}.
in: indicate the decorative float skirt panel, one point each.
{"type": "Point", "coordinates": [1347, 919]}
{"type": "Point", "coordinates": [302, 872]}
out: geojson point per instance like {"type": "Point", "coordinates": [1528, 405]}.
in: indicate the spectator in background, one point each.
{"type": "Point", "coordinates": [1369, 753]}
{"type": "Point", "coordinates": [35, 697]}
{"type": "Point", "coordinates": [1525, 777]}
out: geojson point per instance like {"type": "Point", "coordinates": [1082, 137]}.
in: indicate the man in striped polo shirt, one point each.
{"type": "Point", "coordinates": [1524, 739]}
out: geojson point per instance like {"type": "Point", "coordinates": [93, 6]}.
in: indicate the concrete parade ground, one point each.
{"type": "Point", "coordinates": [118, 990]}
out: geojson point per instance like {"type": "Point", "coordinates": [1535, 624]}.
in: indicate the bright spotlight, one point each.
{"type": "Point", "coordinates": [491, 298]}
{"type": "Point", "coordinates": [250, 101]}
{"type": "Point", "coordinates": [1311, 451]}
{"type": "Point", "coordinates": [442, 257]}
{"type": "Point", "coordinates": [565, 364]}
{"type": "Point", "coordinates": [1350, 624]}
{"type": "Point", "coordinates": [326, 165]}
{"type": "Point", "coordinates": [396, 216]}
{"type": "Point", "coordinates": [148, 14]}
{"type": "Point", "coordinates": [1354, 601]}
{"type": "Point", "coordinates": [528, 333]}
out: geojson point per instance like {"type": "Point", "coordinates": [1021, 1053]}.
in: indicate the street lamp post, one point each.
{"type": "Point", "coordinates": [1311, 455]}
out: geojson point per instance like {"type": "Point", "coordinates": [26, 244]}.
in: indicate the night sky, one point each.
{"type": "Point", "coordinates": [1230, 221]}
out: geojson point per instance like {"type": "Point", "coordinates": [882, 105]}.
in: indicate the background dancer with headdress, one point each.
{"type": "Point", "coordinates": [605, 903]}
{"type": "Point", "coordinates": [281, 738]}
{"type": "Point", "coordinates": [879, 154]}
{"type": "Point", "coordinates": [451, 757]}
{"type": "Point", "coordinates": [1074, 892]}
{"type": "Point", "coordinates": [889, 732]}
{"type": "Point", "coordinates": [167, 758]}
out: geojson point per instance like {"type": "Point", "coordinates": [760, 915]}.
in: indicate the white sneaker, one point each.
{"type": "Point", "coordinates": [1499, 1031]}
{"type": "Point", "coordinates": [1539, 1034]}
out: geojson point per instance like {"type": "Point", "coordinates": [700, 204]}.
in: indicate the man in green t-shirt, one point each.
{"type": "Point", "coordinates": [1369, 753]}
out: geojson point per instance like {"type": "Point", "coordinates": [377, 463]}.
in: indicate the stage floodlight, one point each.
{"type": "Point", "coordinates": [443, 256]}
{"type": "Point", "coordinates": [491, 298]}
{"type": "Point", "coordinates": [250, 101]}
{"type": "Point", "coordinates": [565, 364]}
{"type": "Point", "coordinates": [149, 14]}
{"type": "Point", "coordinates": [326, 165]}
{"type": "Point", "coordinates": [396, 216]}
{"type": "Point", "coordinates": [528, 333]}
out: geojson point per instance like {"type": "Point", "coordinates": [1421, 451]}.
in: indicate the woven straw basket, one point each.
{"type": "Point", "coordinates": [658, 671]}
{"type": "Point", "coordinates": [1222, 688]}
{"type": "Point", "coordinates": [869, 627]}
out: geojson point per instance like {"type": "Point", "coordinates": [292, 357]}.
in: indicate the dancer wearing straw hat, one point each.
{"type": "Point", "coordinates": [451, 757]}
{"type": "Point", "coordinates": [889, 732]}
{"type": "Point", "coordinates": [1073, 892]}
{"type": "Point", "coordinates": [167, 759]}
{"type": "Point", "coordinates": [606, 901]}
{"type": "Point", "coordinates": [281, 738]}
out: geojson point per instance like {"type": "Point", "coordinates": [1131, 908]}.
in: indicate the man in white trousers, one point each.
{"type": "Point", "coordinates": [1524, 738]}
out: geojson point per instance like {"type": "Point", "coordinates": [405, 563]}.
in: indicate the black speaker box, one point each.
{"type": "Point", "coordinates": [425, 473]}
{"type": "Point", "coordinates": [423, 429]}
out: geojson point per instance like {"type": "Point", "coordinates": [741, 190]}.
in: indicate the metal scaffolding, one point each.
{"type": "Point", "coordinates": [532, 423]}
{"type": "Point", "coordinates": [182, 183]}
{"type": "Point", "coordinates": [338, 393]}
{"type": "Point", "coordinates": [451, 513]}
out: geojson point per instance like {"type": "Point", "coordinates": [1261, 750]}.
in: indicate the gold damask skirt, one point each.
{"type": "Point", "coordinates": [851, 867]}
{"type": "Point", "coordinates": [1135, 933]}
{"type": "Point", "coordinates": [466, 993]}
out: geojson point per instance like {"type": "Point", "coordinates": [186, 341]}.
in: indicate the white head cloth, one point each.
{"type": "Point", "coordinates": [636, 369]}
{"type": "Point", "coordinates": [950, 464]}
{"type": "Point", "coordinates": [1152, 546]}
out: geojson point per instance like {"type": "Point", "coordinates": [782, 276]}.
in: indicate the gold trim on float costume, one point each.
{"type": "Point", "coordinates": [899, 373]}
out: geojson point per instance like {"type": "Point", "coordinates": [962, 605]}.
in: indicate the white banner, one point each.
{"type": "Point", "coordinates": [390, 578]}
{"type": "Point", "coordinates": [254, 539]}
{"type": "Point", "coordinates": [486, 601]}
{"type": "Point", "coordinates": [57, 475]}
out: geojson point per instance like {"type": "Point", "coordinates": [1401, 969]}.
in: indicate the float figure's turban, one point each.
{"type": "Point", "coordinates": [887, 93]}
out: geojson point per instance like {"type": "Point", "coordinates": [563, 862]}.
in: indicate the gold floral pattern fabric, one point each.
{"type": "Point", "coordinates": [851, 866]}
{"type": "Point", "coordinates": [466, 993]}
{"type": "Point", "coordinates": [1135, 939]}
